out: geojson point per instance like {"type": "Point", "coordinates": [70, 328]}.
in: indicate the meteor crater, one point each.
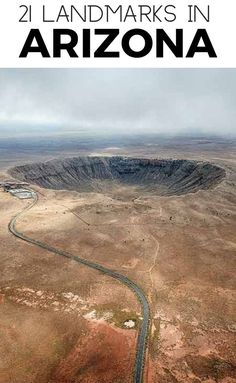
{"type": "Point", "coordinates": [102, 174]}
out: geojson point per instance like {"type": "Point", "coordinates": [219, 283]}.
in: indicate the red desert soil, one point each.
{"type": "Point", "coordinates": [102, 356]}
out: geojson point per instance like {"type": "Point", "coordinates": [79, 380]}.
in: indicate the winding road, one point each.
{"type": "Point", "coordinates": [144, 326]}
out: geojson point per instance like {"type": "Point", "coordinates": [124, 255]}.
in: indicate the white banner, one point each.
{"type": "Point", "coordinates": [41, 33]}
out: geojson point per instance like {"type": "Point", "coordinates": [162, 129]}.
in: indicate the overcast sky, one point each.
{"type": "Point", "coordinates": [38, 102]}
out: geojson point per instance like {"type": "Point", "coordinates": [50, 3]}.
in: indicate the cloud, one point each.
{"type": "Point", "coordinates": [97, 101]}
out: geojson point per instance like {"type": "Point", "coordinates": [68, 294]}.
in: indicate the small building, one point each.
{"type": "Point", "coordinates": [11, 185]}
{"type": "Point", "coordinates": [17, 189]}
{"type": "Point", "coordinates": [22, 193]}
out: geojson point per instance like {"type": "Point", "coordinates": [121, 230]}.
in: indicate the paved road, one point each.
{"type": "Point", "coordinates": [144, 327]}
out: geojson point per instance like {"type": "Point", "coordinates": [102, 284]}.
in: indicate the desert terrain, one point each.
{"type": "Point", "coordinates": [63, 322]}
